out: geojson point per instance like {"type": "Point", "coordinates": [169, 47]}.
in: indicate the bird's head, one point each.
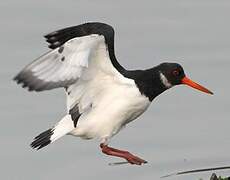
{"type": "Point", "coordinates": [172, 74]}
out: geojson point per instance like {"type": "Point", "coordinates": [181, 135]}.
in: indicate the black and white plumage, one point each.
{"type": "Point", "coordinates": [102, 96]}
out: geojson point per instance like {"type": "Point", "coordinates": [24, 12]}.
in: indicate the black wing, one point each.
{"type": "Point", "coordinates": [59, 37]}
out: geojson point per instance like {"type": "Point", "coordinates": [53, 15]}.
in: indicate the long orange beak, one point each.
{"type": "Point", "coordinates": [192, 84]}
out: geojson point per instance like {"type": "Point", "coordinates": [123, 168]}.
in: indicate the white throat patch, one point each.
{"type": "Point", "coordinates": [165, 81]}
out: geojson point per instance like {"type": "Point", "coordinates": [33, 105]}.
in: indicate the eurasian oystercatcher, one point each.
{"type": "Point", "coordinates": [102, 96]}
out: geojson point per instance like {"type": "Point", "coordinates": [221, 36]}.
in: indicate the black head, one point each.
{"type": "Point", "coordinates": [172, 74]}
{"type": "Point", "coordinates": [154, 81]}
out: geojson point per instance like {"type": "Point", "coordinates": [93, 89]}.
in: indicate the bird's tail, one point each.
{"type": "Point", "coordinates": [62, 128]}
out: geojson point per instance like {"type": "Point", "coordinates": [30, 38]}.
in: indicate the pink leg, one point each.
{"type": "Point", "coordinates": [123, 154]}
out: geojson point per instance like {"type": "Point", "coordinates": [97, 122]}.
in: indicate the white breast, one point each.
{"type": "Point", "coordinates": [119, 104]}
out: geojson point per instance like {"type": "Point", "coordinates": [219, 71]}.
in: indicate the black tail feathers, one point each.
{"type": "Point", "coordinates": [42, 139]}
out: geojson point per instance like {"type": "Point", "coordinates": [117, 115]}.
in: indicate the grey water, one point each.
{"type": "Point", "coordinates": [183, 129]}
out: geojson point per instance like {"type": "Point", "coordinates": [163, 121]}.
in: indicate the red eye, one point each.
{"type": "Point", "coordinates": [175, 72]}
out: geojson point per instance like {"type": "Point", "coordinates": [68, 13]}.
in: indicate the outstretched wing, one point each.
{"type": "Point", "coordinates": [78, 50]}
{"type": "Point", "coordinates": [82, 60]}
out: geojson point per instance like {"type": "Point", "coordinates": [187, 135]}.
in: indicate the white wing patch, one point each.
{"type": "Point", "coordinates": [60, 67]}
{"type": "Point", "coordinates": [95, 81]}
{"type": "Point", "coordinates": [82, 65]}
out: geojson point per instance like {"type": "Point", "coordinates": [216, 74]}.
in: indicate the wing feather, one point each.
{"type": "Point", "coordinates": [82, 60]}
{"type": "Point", "coordinates": [60, 68]}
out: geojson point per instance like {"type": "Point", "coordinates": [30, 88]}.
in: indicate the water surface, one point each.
{"type": "Point", "coordinates": [183, 129]}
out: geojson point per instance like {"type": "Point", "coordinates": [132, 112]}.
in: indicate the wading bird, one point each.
{"type": "Point", "coordinates": [102, 96]}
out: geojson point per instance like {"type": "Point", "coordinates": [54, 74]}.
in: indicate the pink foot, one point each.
{"type": "Point", "coordinates": [123, 154]}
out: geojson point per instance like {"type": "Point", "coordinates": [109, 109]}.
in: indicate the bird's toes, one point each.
{"type": "Point", "coordinates": [136, 160]}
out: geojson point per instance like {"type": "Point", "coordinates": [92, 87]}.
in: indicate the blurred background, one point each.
{"type": "Point", "coordinates": [183, 129]}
